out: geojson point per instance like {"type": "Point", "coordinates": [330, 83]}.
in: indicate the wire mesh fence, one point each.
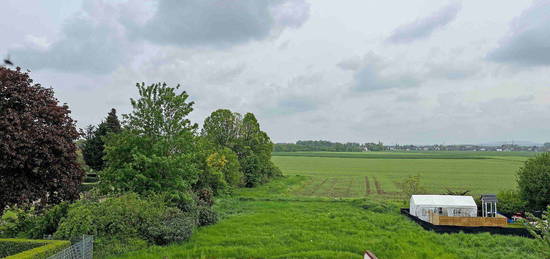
{"type": "Point", "coordinates": [83, 249]}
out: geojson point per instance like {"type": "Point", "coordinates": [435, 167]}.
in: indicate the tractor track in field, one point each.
{"type": "Point", "coordinates": [348, 190]}
{"type": "Point", "coordinates": [378, 186]}
{"type": "Point", "coordinates": [319, 186]}
{"type": "Point", "coordinates": [367, 186]}
{"type": "Point", "coordinates": [302, 189]}
{"type": "Point", "coordinates": [331, 193]}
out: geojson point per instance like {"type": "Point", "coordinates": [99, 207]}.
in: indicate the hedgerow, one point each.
{"type": "Point", "coordinates": [30, 248]}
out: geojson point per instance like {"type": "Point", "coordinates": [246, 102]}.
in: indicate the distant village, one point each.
{"type": "Point", "coordinates": [499, 148]}
{"type": "Point", "coordinates": [322, 145]}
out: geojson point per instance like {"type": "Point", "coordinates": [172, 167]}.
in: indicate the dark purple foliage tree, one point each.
{"type": "Point", "coordinates": [38, 161]}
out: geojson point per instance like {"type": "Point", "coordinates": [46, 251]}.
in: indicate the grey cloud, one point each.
{"type": "Point", "coordinates": [223, 74]}
{"type": "Point", "coordinates": [283, 45]}
{"type": "Point", "coordinates": [372, 73]}
{"type": "Point", "coordinates": [350, 64]}
{"type": "Point", "coordinates": [105, 35]}
{"type": "Point", "coordinates": [295, 104]}
{"type": "Point", "coordinates": [301, 94]}
{"type": "Point", "coordinates": [528, 41]}
{"type": "Point", "coordinates": [221, 23]}
{"type": "Point", "coordinates": [424, 27]}
{"type": "Point", "coordinates": [92, 41]}
{"type": "Point", "coordinates": [454, 70]}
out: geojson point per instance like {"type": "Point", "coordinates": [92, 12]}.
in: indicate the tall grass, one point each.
{"type": "Point", "coordinates": [269, 222]}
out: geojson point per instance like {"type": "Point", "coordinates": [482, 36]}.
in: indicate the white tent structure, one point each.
{"type": "Point", "coordinates": [443, 205]}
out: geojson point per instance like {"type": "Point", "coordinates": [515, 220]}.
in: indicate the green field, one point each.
{"type": "Point", "coordinates": [375, 173]}
{"type": "Point", "coordinates": [337, 205]}
{"type": "Point", "coordinates": [271, 222]}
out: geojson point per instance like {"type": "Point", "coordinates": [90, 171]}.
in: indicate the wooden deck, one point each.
{"type": "Point", "coordinates": [468, 221]}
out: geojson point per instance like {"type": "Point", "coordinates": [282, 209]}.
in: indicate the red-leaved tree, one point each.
{"type": "Point", "coordinates": [38, 162]}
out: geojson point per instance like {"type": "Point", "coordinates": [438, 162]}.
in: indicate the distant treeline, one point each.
{"type": "Point", "coordinates": [323, 145]}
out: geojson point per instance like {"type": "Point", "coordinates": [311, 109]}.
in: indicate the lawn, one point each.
{"type": "Point", "coordinates": [271, 222]}
{"type": "Point", "coordinates": [375, 173]}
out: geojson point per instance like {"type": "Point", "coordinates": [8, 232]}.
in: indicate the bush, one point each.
{"type": "Point", "coordinates": [27, 248]}
{"type": "Point", "coordinates": [10, 247]}
{"type": "Point", "coordinates": [510, 202]}
{"type": "Point", "coordinates": [15, 222]}
{"type": "Point", "coordinates": [27, 223]}
{"type": "Point", "coordinates": [533, 181]}
{"type": "Point", "coordinates": [128, 219]}
{"type": "Point", "coordinates": [47, 223]}
{"type": "Point", "coordinates": [207, 216]}
{"type": "Point", "coordinates": [174, 226]}
{"type": "Point", "coordinates": [115, 245]}
{"type": "Point", "coordinates": [126, 216]}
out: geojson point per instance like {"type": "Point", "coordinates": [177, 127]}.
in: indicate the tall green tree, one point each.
{"type": "Point", "coordinates": [254, 151]}
{"type": "Point", "coordinates": [38, 160]}
{"type": "Point", "coordinates": [160, 112]}
{"type": "Point", "coordinates": [534, 181]}
{"type": "Point", "coordinates": [156, 151]}
{"type": "Point", "coordinates": [222, 128]}
{"type": "Point", "coordinates": [93, 146]}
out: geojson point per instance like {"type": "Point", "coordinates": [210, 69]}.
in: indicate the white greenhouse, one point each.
{"type": "Point", "coordinates": [443, 205]}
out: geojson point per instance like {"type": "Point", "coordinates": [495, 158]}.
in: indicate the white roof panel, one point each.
{"type": "Point", "coordinates": [443, 200]}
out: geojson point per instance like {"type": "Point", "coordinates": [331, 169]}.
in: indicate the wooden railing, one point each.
{"type": "Point", "coordinates": [498, 221]}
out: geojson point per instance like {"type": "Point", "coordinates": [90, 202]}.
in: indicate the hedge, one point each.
{"type": "Point", "coordinates": [11, 248]}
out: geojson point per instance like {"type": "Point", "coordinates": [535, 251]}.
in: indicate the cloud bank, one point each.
{"type": "Point", "coordinates": [104, 36]}
{"type": "Point", "coordinates": [528, 40]}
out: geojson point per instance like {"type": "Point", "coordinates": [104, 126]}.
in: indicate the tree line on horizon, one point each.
{"type": "Point", "coordinates": [323, 145]}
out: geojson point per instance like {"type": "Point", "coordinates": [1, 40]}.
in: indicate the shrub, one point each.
{"type": "Point", "coordinates": [125, 216]}
{"type": "Point", "coordinates": [28, 248]}
{"type": "Point", "coordinates": [410, 186]}
{"type": "Point", "coordinates": [221, 171]}
{"type": "Point", "coordinates": [533, 181]}
{"type": "Point", "coordinates": [206, 196]}
{"type": "Point", "coordinates": [174, 226]}
{"type": "Point", "coordinates": [128, 219]}
{"type": "Point", "coordinates": [207, 216]}
{"type": "Point", "coordinates": [540, 229]}
{"type": "Point", "coordinates": [48, 221]}
{"type": "Point", "coordinates": [15, 222]}
{"type": "Point", "coordinates": [10, 247]}
{"type": "Point", "coordinates": [510, 202]}
{"type": "Point", "coordinates": [115, 245]}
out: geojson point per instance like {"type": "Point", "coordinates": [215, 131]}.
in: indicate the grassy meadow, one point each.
{"type": "Point", "coordinates": [337, 205]}
{"type": "Point", "coordinates": [341, 174]}
{"type": "Point", "coordinates": [272, 222]}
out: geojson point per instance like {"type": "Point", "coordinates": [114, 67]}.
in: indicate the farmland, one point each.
{"type": "Point", "coordinates": [271, 222]}
{"type": "Point", "coordinates": [374, 173]}
{"type": "Point", "coordinates": [337, 205]}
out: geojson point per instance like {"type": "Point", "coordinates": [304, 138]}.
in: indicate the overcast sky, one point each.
{"type": "Point", "coordinates": [406, 72]}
